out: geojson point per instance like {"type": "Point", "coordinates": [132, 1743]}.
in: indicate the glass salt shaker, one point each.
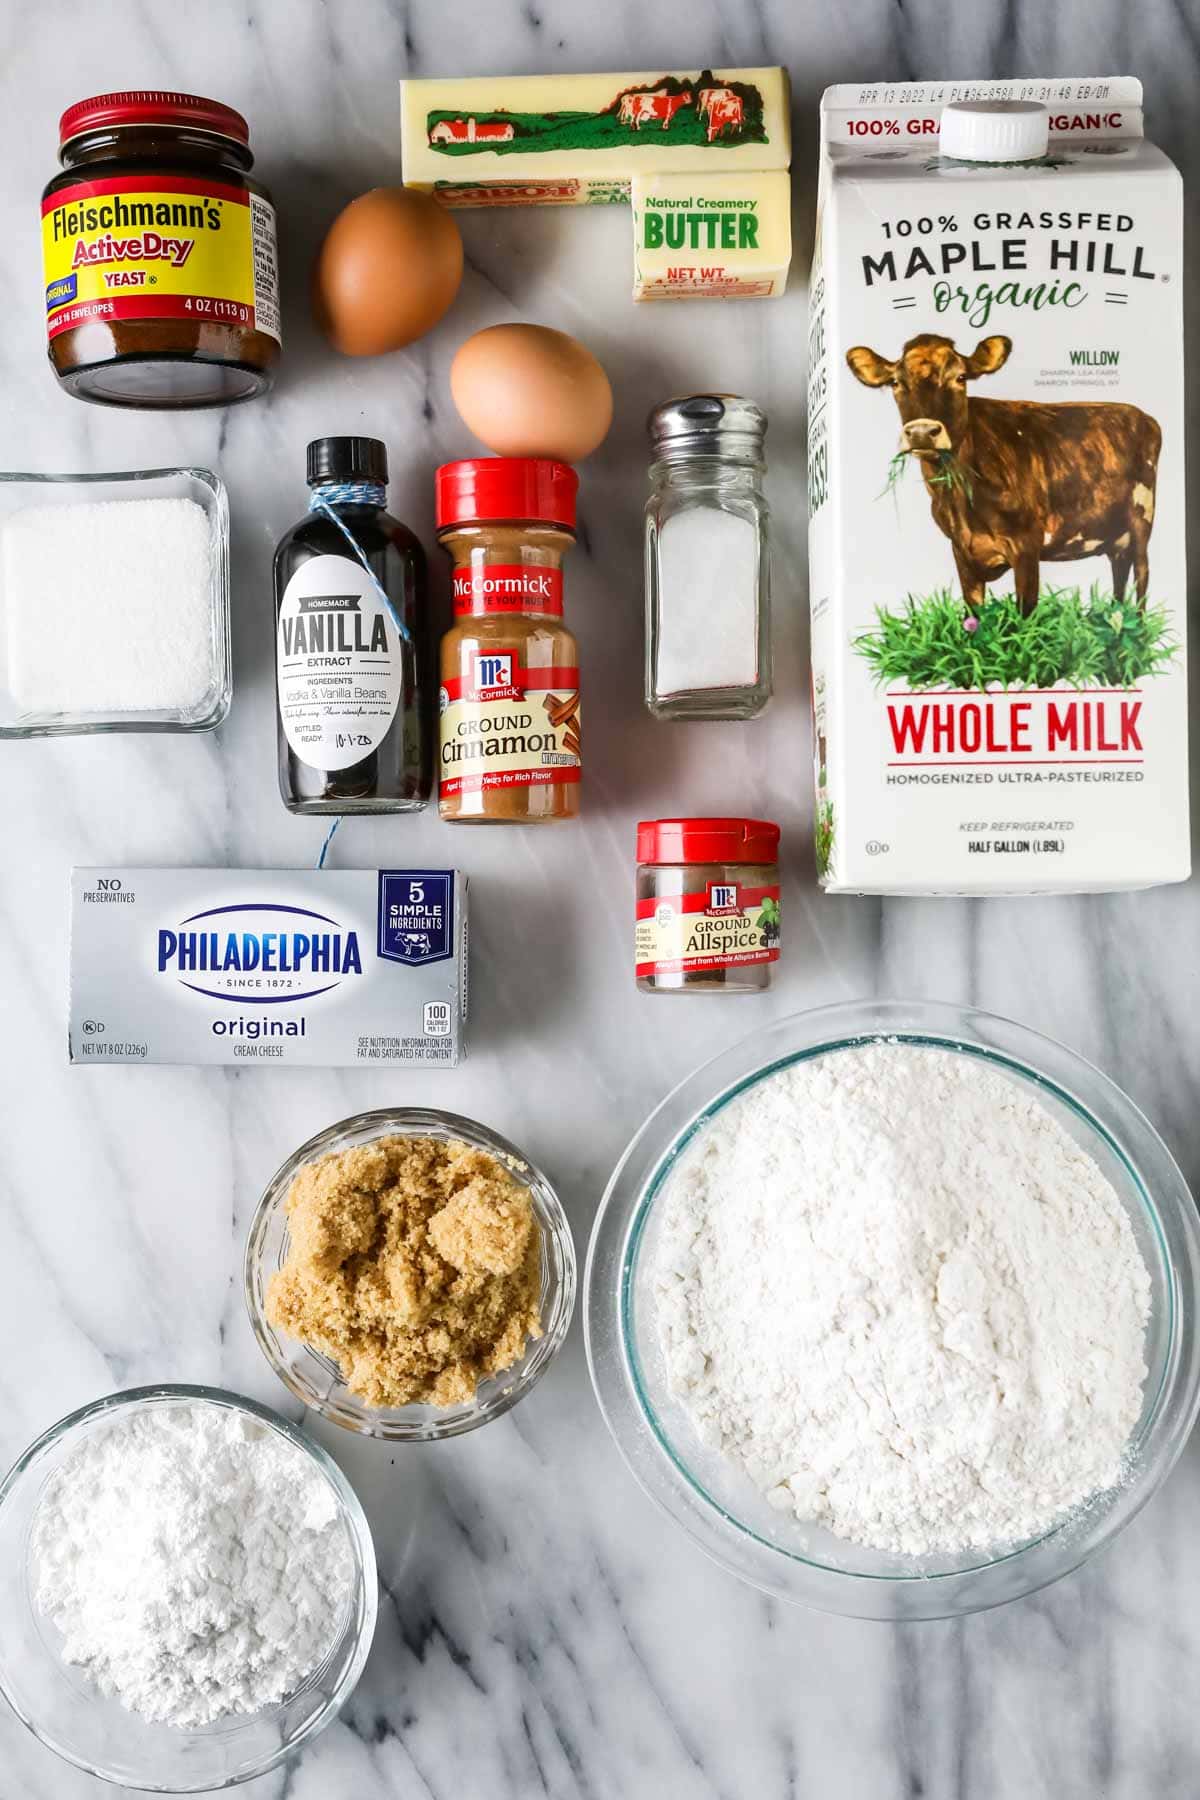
{"type": "Point", "coordinates": [708, 568]}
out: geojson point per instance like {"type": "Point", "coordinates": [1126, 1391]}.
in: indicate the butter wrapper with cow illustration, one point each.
{"type": "Point", "coordinates": [571, 140]}
{"type": "Point", "coordinates": [996, 493]}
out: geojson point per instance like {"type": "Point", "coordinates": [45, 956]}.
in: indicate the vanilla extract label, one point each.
{"type": "Point", "coordinates": [339, 663]}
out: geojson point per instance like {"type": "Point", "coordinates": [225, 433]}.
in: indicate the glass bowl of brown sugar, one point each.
{"type": "Point", "coordinates": [409, 1274]}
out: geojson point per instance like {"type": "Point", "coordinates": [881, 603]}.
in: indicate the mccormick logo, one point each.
{"type": "Point", "coordinates": [259, 954]}
{"type": "Point", "coordinates": [504, 587]}
{"type": "Point", "coordinates": [492, 677]}
{"type": "Point", "coordinates": [723, 897]}
{"type": "Point", "coordinates": [332, 622]}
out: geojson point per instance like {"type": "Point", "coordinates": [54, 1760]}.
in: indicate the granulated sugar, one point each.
{"type": "Point", "coordinates": [895, 1291]}
{"type": "Point", "coordinates": [108, 606]}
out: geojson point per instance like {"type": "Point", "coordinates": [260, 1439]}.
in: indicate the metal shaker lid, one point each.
{"type": "Point", "coordinates": [724, 425]}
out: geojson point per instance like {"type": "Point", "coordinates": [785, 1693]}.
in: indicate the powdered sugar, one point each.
{"type": "Point", "coordinates": [895, 1290]}
{"type": "Point", "coordinates": [194, 1562]}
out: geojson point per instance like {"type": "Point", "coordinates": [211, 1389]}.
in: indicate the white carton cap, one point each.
{"type": "Point", "coordinates": [994, 130]}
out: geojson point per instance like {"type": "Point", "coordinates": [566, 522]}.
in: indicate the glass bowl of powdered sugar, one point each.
{"type": "Point", "coordinates": [892, 1308]}
{"type": "Point", "coordinates": [187, 1589]}
{"type": "Point", "coordinates": [114, 602]}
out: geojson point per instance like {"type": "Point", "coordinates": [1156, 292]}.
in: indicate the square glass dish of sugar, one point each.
{"type": "Point", "coordinates": [114, 602]}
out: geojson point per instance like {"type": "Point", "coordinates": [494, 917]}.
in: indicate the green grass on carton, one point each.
{"type": "Point", "coordinates": [1091, 641]}
{"type": "Point", "coordinates": [824, 834]}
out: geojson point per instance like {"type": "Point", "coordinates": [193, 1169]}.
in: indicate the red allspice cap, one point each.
{"type": "Point", "coordinates": [707, 841]}
{"type": "Point", "coordinates": [494, 489]}
{"type": "Point", "coordinates": [151, 106]}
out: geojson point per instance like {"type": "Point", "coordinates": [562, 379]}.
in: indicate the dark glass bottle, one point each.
{"type": "Point", "coordinates": [353, 687]}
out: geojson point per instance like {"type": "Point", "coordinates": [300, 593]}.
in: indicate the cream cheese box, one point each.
{"type": "Point", "coordinates": [580, 139]}
{"type": "Point", "coordinates": [331, 968]}
{"type": "Point", "coordinates": [996, 492]}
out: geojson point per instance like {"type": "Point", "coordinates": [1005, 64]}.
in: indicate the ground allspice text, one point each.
{"type": "Point", "coordinates": [414, 1262]}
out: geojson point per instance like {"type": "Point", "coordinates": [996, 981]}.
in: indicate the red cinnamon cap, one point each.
{"type": "Point", "coordinates": [151, 106]}
{"type": "Point", "coordinates": [707, 841]}
{"type": "Point", "coordinates": [492, 489]}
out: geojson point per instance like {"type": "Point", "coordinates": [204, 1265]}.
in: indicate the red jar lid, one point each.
{"type": "Point", "coordinates": [707, 841]}
{"type": "Point", "coordinates": [493, 489]}
{"type": "Point", "coordinates": [151, 106]}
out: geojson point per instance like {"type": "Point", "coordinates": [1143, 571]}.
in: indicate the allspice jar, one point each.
{"type": "Point", "coordinates": [162, 288]}
{"type": "Point", "coordinates": [707, 905]}
{"type": "Point", "coordinates": [509, 737]}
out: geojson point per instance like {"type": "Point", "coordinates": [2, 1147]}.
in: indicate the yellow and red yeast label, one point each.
{"type": "Point", "coordinates": [724, 925]}
{"type": "Point", "coordinates": [159, 247]}
{"type": "Point", "coordinates": [505, 726]}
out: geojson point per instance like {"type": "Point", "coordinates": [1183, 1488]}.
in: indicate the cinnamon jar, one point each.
{"type": "Point", "coordinates": [707, 905]}
{"type": "Point", "coordinates": [159, 249]}
{"type": "Point", "coordinates": [509, 736]}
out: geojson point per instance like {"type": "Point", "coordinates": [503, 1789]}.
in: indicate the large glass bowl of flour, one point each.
{"type": "Point", "coordinates": [710, 1467]}
{"type": "Point", "coordinates": [64, 1707]}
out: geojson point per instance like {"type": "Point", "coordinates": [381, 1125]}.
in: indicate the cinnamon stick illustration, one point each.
{"type": "Point", "coordinates": [561, 711]}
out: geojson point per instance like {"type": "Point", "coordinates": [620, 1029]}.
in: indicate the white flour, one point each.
{"type": "Point", "coordinates": [193, 1561]}
{"type": "Point", "coordinates": [894, 1290]}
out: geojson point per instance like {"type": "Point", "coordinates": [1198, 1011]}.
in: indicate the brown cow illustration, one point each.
{"type": "Point", "coordinates": [1025, 482]}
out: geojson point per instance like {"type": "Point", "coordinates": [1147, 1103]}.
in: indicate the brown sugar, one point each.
{"type": "Point", "coordinates": [414, 1262]}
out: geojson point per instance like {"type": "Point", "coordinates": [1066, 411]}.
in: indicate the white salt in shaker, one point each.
{"type": "Point", "coordinates": [708, 572]}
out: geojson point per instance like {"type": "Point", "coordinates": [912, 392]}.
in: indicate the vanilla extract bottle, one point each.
{"type": "Point", "coordinates": [353, 681]}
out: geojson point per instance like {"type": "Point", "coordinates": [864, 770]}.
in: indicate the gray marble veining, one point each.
{"type": "Point", "coordinates": [543, 1631]}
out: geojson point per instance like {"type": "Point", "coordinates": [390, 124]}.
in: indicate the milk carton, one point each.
{"type": "Point", "coordinates": [996, 492]}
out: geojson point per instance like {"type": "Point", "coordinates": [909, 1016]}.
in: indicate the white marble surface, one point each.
{"type": "Point", "coordinates": [543, 1631]}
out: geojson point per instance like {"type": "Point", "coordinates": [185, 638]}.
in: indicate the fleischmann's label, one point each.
{"type": "Point", "coordinates": [723, 925]}
{"type": "Point", "coordinates": [324, 968]}
{"type": "Point", "coordinates": [508, 588]}
{"type": "Point", "coordinates": [339, 664]}
{"type": "Point", "coordinates": [997, 502]}
{"type": "Point", "coordinates": [504, 725]}
{"type": "Point", "coordinates": [159, 247]}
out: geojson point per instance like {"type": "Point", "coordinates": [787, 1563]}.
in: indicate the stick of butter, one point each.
{"type": "Point", "coordinates": [711, 237]}
{"type": "Point", "coordinates": [581, 139]}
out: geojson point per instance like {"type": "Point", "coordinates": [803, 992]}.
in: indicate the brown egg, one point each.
{"type": "Point", "coordinates": [389, 268]}
{"type": "Point", "coordinates": [525, 390]}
